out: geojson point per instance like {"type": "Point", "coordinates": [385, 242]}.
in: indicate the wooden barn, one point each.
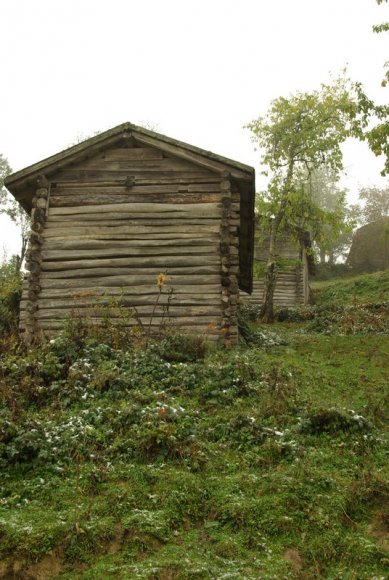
{"type": "Point", "coordinates": [111, 214]}
{"type": "Point", "coordinates": [295, 265]}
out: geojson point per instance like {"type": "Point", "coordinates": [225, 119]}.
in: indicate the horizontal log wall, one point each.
{"type": "Point", "coordinates": [118, 220]}
{"type": "Point", "coordinates": [286, 247]}
{"type": "Point", "coordinates": [292, 281]}
{"type": "Point", "coordinates": [288, 291]}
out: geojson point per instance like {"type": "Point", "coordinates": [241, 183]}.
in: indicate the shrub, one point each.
{"type": "Point", "coordinates": [328, 271]}
{"type": "Point", "coordinates": [249, 333]}
{"type": "Point", "coordinates": [175, 347]}
{"type": "Point", "coordinates": [10, 294]}
{"type": "Point", "coordinates": [333, 421]}
{"type": "Point", "coordinates": [294, 314]}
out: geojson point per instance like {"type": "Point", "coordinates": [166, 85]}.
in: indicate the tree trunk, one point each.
{"type": "Point", "coordinates": [267, 310]}
{"type": "Point", "coordinates": [23, 250]}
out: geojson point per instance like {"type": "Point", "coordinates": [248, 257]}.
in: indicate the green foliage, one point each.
{"type": "Point", "coordinates": [336, 319]}
{"type": "Point", "coordinates": [377, 136]}
{"type": "Point", "coordinates": [298, 137]}
{"type": "Point", "coordinates": [177, 347]}
{"type": "Point", "coordinates": [259, 269]}
{"type": "Point", "coordinates": [11, 208]}
{"type": "Point", "coordinates": [295, 314]}
{"type": "Point", "coordinates": [329, 271]}
{"type": "Point", "coordinates": [378, 28]}
{"type": "Point", "coordinates": [242, 463]}
{"type": "Point", "coordinates": [358, 305]}
{"type": "Point", "coordinates": [5, 170]}
{"type": "Point", "coordinates": [120, 326]}
{"type": "Point", "coordinates": [324, 119]}
{"type": "Point", "coordinates": [332, 237]}
{"type": "Point", "coordinates": [284, 263]}
{"type": "Point", "coordinates": [250, 334]}
{"type": "Point", "coordinates": [366, 288]}
{"type": "Point", "coordinates": [10, 294]}
{"type": "Point", "coordinates": [114, 327]}
{"type": "Point", "coordinates": [333, 421]}
{"type": "Point", "coordinates": [376, 203]}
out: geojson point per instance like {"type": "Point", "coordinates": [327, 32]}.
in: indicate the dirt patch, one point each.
{"type": "Point", "coordinates": [116, 543]}
{"type": "Point", "coordinates": [49, 567]}
{"type": "Point", "coordinates": [379, 529]}
{"type": "Point", "coordinates": [14, 570]}
{"type": "Point", "coordinates": [293, 556]}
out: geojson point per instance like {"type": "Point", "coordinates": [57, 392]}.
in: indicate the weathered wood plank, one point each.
{"type": "Point", "coordinates": [286, 291]}
{"type": "Point", "coordinates": [195, 158]}
{"type": "Point", "coordinates": [130, 300]}
{"type": "Point", "coordinates": [79, 199]}
{"type": "Point", "coordinates": [158, 261]}
{"type": "Point", "coordinates": [125, 153]}
{"type": "Point", "coordinates": [64, 263]}
{"type": "Point", "coordinates": [141, 174]}
{"type": "Point", "coordinates": [150, 182]}
{"type": "Point", "coordinates": [209, 327]}
{"type": "Point", "coordinates": [134, 208]}
{"type": "Point", "coordinates": [92, 272]}
{"type": "Point", "coordinates": [132, 227]}
{"type": "Point", "coordinates": [204, 318]}
{"type": "Point", "coordinates": [150, 245]}
{"type": "Point", "coordinates": [117, 216]}
{"type": "Point", "coordinates": [134, 239]}
{"type": "Point", "coordinates": [130, 291]}
{"type": "Point", "coordinates": [120, 187]}
{"type": "Point", "coordinates": [99, 312]}
{"type": "Point", "coordinates": [140, 279]}
{"type": "Point", "coordinates": [144, 295]}
{"type": "Point", "coordinates": [164, 164]}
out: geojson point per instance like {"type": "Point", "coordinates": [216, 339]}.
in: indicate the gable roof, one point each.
{"type": "Point", "coordinates": [23, 184]}
{"type": "Point", "coordinates": [25, 179]}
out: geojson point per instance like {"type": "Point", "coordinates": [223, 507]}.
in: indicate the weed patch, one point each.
{"type": "Point", "coordinates": [249, 462]}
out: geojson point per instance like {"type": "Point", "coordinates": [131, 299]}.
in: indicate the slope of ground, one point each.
{"type": "Point", "coordinates": [267, 461]}
{"type": "Point", "coordinates": [356, 289]}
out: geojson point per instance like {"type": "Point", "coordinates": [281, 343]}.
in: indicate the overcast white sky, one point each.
{"type": "Point", "coordinates": [198, 70]}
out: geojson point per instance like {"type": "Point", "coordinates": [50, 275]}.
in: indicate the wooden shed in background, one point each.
{"type": "Point", "coordinates": [295, 265]}
{"type": "Point", "coordinates": [112, 213]}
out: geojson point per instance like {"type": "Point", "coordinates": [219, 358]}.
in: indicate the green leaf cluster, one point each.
{"type": "Point", "coordinates": [11, 208]}
{"type": "Point", "coordinates": [300, 139]}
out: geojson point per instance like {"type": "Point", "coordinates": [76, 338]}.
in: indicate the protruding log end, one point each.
{"type": "Point", "coordinates": [42, 181]}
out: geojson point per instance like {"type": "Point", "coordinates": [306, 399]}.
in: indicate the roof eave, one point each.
{"type": "Point", "coordinates": [98, 142]}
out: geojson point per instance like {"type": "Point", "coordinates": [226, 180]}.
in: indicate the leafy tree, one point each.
{"type": "Point", "coordinates": [299, 135]}
{"type": "Point", "coordinates": [332, 235]}
{"type": "Point", "coordinates": [378, 28]}
{"type": "Point", "coordinates": [377, 136]}
{"type": "Point", "coordinates": [5, 170]}
{"type": "Point", "coordinates": [10, 294]}
{"type": "Point", "coordinates": [10, 207]}
{"type": "Point", "coordinates": [376, 204]}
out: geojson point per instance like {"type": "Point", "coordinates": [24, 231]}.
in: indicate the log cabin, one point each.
{"type": "Point", "coordinates": [295, 265]}
{"type": "Point", "coordinates": [110, 214]}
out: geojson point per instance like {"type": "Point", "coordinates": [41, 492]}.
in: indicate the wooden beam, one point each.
{"type": "Point", "coordinates": [134, 208]}
{"type": "Point", "coordinates": [134, 279]}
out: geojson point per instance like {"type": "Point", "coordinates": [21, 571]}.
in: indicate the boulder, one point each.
{"type": "Point", "coordinates": [370, 247]}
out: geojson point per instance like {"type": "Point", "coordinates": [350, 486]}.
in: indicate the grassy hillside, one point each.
{"type": "Point", "coordinates": [363, 288]}
{"type": "Point", "coordinates": [269, 461]}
